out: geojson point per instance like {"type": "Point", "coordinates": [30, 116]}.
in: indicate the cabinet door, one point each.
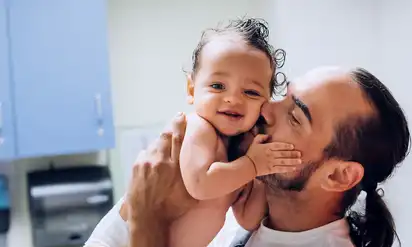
{"type": "Point", "coordinates": [61, 74]}
{"type": "Point", "coordinates": [7, 147]}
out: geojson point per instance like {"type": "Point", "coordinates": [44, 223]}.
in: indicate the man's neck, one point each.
{"type": "Point", "coordinates": [299, 211]}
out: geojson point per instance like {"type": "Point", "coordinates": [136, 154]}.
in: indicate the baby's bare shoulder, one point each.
{"type": "Point", "coordinates": [195, 118]}
{"type": "Point", "coordinates": [197, 124]}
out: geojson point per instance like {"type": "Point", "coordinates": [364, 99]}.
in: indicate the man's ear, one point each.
{"type": "Point", "coordinates": [342, 176]}
{"type": "Point", "coordinates": [190, 89]}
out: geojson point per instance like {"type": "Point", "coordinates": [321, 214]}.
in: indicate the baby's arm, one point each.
{"type": "Point", "coordinates": [251, 206]}
{"type": "Point", "coordinates": [204, 177]}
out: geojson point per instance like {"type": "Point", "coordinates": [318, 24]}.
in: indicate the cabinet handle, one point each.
{"type": "Point", "coordinates": [1, 124]}
{"type": "Point", "coordinates": [99, 110]}
{"type": "Point", "coordinates": [98, 102]}
{"type": "Point", "coordinates": [1, 117]}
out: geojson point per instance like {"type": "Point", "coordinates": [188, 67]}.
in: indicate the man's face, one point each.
{"type": "Point", "coordinates": [307, 117]}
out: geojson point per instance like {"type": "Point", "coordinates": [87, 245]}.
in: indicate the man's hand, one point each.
{"type": "Point", "coordinates": [157, 179]}
{"type": "Point", "coordinates": [157, 195]}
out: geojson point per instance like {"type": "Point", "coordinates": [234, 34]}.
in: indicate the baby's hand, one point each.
{"type": "Point", "coordinates": [274, 157]}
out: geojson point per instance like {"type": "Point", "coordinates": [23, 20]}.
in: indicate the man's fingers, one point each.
{"type": "Point", "coordinates": [140, 169]}
{"type": "Point", "coordinates": [164, 145]}
{"type": "Point", "coordinates": [179, 129]}
{"type": "Point", "coordinates": [152, 147]}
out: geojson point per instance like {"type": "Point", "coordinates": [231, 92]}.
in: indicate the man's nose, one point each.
{"type": "Point", "coordinates": [268, 112]}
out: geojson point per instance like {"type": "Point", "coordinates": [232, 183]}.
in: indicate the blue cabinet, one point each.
{"type": "Point", "coordinates": [60, 76]}
{"type": "Point", "coordinates": [7, 147]}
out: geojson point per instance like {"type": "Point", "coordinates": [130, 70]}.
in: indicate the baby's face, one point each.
{"type": "Point", "coordinates": [231, 84]}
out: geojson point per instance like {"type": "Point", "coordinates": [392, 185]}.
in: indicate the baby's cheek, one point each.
{"type": "Point", "coordinates": [254, 112]}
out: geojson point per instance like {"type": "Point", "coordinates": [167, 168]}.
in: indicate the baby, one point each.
{"type": "Point", "coordinates": [232, 77]}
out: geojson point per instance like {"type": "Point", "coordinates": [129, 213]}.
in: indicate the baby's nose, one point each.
{"type": "Point", "coordinates": [233, 99]}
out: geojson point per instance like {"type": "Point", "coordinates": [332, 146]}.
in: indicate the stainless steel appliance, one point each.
{"type": "Point", "coordinates": [66, 204]}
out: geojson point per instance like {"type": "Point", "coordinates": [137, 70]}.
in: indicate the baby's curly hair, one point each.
{"type": "Point", "coordinates": [254, 32]}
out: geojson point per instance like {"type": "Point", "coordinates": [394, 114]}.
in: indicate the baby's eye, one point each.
{"type": "Point", "coordinates": [218, 86]}
{"type": "Point", "coordinates": [252, 93]}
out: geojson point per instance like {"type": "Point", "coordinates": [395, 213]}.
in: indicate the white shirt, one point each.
{"type": "Point", "coordinates": [112, 231]}
{"type": "Point", "coordinates": [335, 234]}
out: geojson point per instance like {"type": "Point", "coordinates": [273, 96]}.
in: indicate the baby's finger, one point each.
{"type": "Point", "coordinates": [286, 162]}
{"type": "Point", "coordinates": [164, 145]}
{"type": "Point", "coordinates": [285, 154]}
{"type": "Point", "coordinates": [280, 146]}
{"type": "Point", "coordinates": [283, 169]}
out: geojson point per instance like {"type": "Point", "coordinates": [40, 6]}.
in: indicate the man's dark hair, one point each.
{"type": "Point", "coordinates": [254, 32]}
{"type": "Point", "coordinates": [379, 142]}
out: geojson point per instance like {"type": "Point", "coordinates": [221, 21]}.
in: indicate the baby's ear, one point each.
{"type": "Point", "coordinates": [190, 89]}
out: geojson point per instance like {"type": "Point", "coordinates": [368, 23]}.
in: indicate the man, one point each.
{"type": "Point", "coordinates": [352, 134]}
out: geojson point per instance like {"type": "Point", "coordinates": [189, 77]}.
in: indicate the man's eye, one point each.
{"type": "Point", "coordinates": [293, 120]}
{"type": "Point", "coordinates": [252, 93]}
{"type": "Point", "coordinates": [218, 86]}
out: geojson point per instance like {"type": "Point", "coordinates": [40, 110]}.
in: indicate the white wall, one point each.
{"type": "Point", "coordinates": [395, 56]}
{"type": "Point", "coordinates": [322, 32]}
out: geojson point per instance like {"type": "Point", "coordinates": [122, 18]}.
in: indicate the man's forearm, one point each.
{"type": "Point", "coordinates": [145, 227]}
{"type": "Point", "coordinates": [147, 231]}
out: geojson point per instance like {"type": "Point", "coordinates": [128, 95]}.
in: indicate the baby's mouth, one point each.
{"type": "Point", "coordinates": [231, 114]}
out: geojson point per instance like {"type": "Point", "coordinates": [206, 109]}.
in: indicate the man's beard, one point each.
{"type": "Point", "coordinates": [296, 183]}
